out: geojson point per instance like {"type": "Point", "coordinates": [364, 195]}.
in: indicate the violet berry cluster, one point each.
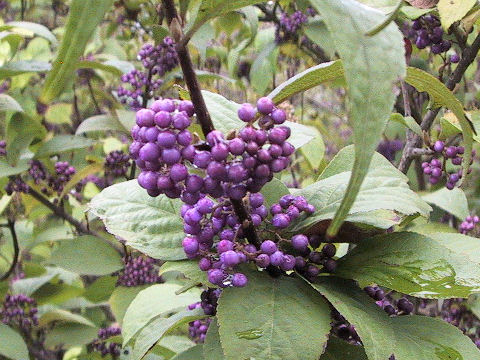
{"type": "Point", "coordinates": [435, 168]}
{"type": "Point", "coordinates": [469, 224]}
{"type": "Point", "coordinates": [19, 311]}
{"type": "Point", "coordinates": [197, 329]}
{"type": "Point", "coordinates": [3, 148]}
{"type": "Point", "coordinates": [138, 271]}
{"type": "Point", "coordinates": [429, 33]}
{"type": "Point", "coordinates": [289, 25]}
{"type": "Point", "coordinates": [403, 305]}
{"type": "Point", "coordinates": [106, 347]}
{"type": "Point", "coordinates": [389, 148]}
{"type": "Point", "coordinates": [116, 164]}
{"type": "Point", "coordinates": [157, 61]}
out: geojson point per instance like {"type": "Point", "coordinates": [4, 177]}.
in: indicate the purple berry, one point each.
{"type": "Point", "coordinates": [265, 105]}
{"type": "Point", "coordinates": [246, 112]}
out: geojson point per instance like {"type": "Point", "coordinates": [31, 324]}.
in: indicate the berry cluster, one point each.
{"type": "Point", "coordinates": [157, 61]}
{"type": "Point", "coordinates": [288, 26]}
{"type": "Point", "coordinates": [389, 148]}
{"type": "Point", "coordinates": [198, 329]}
{"type": "Point", "coordinates": [138, 271]}
{"type": "Point", "coordinates": [404, 306]}
{"type": "Point", "coordinates": [19, 311]}
{"type": "Point", "coordinates": [435, 167]}
{"type": "Point", "coordinates": [3, 148]}
{"type": "Point", "coordinates": [16, 184]}
{"type": "Point", "coordinates": [469, 224]}
{"type": "Point", "coordinates": [429, 32]}
{"type": "Point", "coordinates": [105, 347]}
{"type": "Point", "coordinates": [63, 173]}
{"type": "Point", "coordinates": [288, 209]}
{"type": "Point", "coordinates": [116, 164]}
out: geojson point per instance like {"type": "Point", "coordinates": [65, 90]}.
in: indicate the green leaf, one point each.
{"type": "Point", "coordinates": [35, 28]}
{"type": "Point", "coordinates": [63, 143]}
{"type": "Point", "coordinates": [69, 335]}
{"type": "Point", "coordinates": [274, 190]}
{"type": "Point", "coordinates": [407, 337]}
{"type": "Point", "coordinates": [212, 348]}
{"type": "Point", "coordinates": [314, 150]}
{"type": "Point", "coordinates": [100, 123]}
{"type": "Point", "coordinates": [150, 225]}
{"type": "Point", "coordinates": [158, 327]}
{"type": "Point", "coordinates": [307, 79]}
{"type": "Point", "coordinates": [317, 31]}
{"type": "Point", "coordinates": [60, 113]}
{"type": "Point", "coordinates": [453, 201]}
{"type": "Point", "coordinates": [223, 112]}
{"type": "Point", "coordinates": [188, 268]}
{"type": "Point", "coordinates": [12, 345]}
{"type": "Point", "coordinates": [209, 9]}
{"type": "Point", "coordinates": [441, 96]}
{"type": "Point", "coordinates": [429, 266]}
{"type": "Point", "coordinates": [96, 65]}
{"type": "Point", "coordinates": [371, 67]}
{"type": "Point", "coordinates": [21, 130]}
{"type": "Point", "coordinates": [101, 289]}
{"type": "Point", "coordinates": [22, 67]}
{"type": "Point", "coordinates": [340, 350]}
{"type": "Point", "coordinates": [194, 353]}
{"type": "Point", "coordinates": [126, 118]}
{"type": "Point", "coordinates": [453, 10]}
{"type": "Point", "coordinates": [384, 188]}
{"type": "Point", "coordinates": [86, 255]}
{"type": "Point", "coordinates": [84, 17]}
{"type": "Point", "coordinates": [263, 68]}
{"type": "Point", "coordinates": [272, 319]}
{"type": "Point", "coordinates": [8, 170]}
{"type": "Point", "coordinates": [121, 299]}
{"type": "Point", "coordinates": [63, 316]}
{"type": "Point", "coordinates": [407, 121]}
{"type": "Point", "coordinates": [152, 302]}
{"type": "Point", "coordinates": [7, 103]}
{"type": "Point", "coordinates": [80, 175]}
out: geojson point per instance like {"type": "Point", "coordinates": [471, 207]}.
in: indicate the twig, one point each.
{"type": "Point", "coordinates": [16, 250]}
{"type": "Point", "coordinates": [92, 95]}
{"type": "Point", "coordinates": [200, 107]}
{"type": "Point", "coordinates": [415, 141]}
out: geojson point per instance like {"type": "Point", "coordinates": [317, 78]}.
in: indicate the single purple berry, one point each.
{"type": "Point", "coordinates": [265, 105]}
{"type": "Point", "coordinates": [246, 112]}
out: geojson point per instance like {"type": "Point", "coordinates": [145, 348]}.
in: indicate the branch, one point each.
{"type": "Point", "coordinates": [60, 212]}
{"type": "Point", "coordinates": [415, 141]}
{"type": "Point", "coordinates": [200, 107]}
{"type": "Point", "coordinates": [16, 250]}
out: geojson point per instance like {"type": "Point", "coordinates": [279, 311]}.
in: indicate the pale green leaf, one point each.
{"type": "Point", "coordinates": [12, 345]}
{"type": "Point", "coordinates": [7, 103]}
{"type": "Point", "coordinates": [121, 298]}
{"type": "Point", "coordinates": [63, 143]}
{"type": "Point", "coordinates": [453, 201]}
{"type": "Point", "coordinates": [150, 225]}
{"type": "Point", "coordinates": [453, 10]}
{"type": "Point", "coordinates": [61, 315]}
{"type": "Point", "coordinates": [22, 67]}
{"type": "Point", "coordinates": [35, 28]}
{"type": "Point", "coordinates": [372, 65]}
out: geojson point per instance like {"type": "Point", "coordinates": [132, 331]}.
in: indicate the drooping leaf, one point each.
{"type": "Point", "coordinates": [406, 337]}
{"type": "Point", "coordinates": [121, 299]}
{"type": "Point", "coordinates": [272, 319]}
{"type": "Point", "coordinates": [369, 80]}
{"type": "Point", "coordinates": [22, 67]}
{"type": "Point", "coordinates": [87, 255]}
{"type": "Point", "coordinates": [61, 315]}
{"type": "Point", "coordinates": [441, 96]}
{"type": "Point", "coordinates": [70, 335]}
{"type": "Point", "coordinates": [408, 121]}
{"type": "Point", "coordinates": [7, 103]}
{"type": "Point", "coordinates": [430, 266]}
{"type": "Point", "coordinates": [212, 348]}
{"type": "Point", "coordinates": [84, 16]}
{"type": "Point", "coordinates": [158, 327]}
{"type": "Point", "coordinates": [63, 143]}
{"type": "Point", "coordinates": [314, 150]}
{"type": "Point", "coordinates": [35, 28]}
{"type": "Point", "coordinates": [307, 79]}
{"type": "Point", "coordinates": [21, 130]}
{"type": "Point", "coordinates": [8, 170]}
{"type": "Point", "coordinates": [263, 68]}
{"type": "Point", "coordinates": [188, 268]}
{"type": "Point", "coordinates": [151, 303]}
{"type": "Point", "coordinates": [453, 201]}
{"type": "Point", "coordinates": [150, 225]}
{"type": "Point", "coordinates": [12, 345]}
{"type": "Point", "coordinates": [453, 10]}
{"type": "Point", "coordinates": [96, 65]}
{"type": "Point", "coordinates": [99, 123]}
{"type": "Point", "coordinates": [384, 188]}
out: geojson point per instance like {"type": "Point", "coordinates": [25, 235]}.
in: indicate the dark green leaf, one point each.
{"type": "Point", "coordinates": [340, 350]}
{"type": "Point", "coordinates": [150, 225]}
{"type": "Point", "coordinates": [194, 353]}
{"type": "Point", "coordinates": [70, 335]}
{"type": "Point", "coordinates": [430, 266]}
{"type": "Point", "coordinates": [272, 319]}
{"type": "Point", "coordinates": [212, 348]}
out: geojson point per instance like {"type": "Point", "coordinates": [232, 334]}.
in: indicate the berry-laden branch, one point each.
{"type": "Point", "coordinates": [414, 141]}
{"type": "Point", "coordinates": [16, 250]}
{"type": "Point", "coordinates": [200, 107]}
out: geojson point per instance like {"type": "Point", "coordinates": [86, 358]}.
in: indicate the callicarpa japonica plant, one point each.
{"type": "Point", "coordinates": [239, 180]}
